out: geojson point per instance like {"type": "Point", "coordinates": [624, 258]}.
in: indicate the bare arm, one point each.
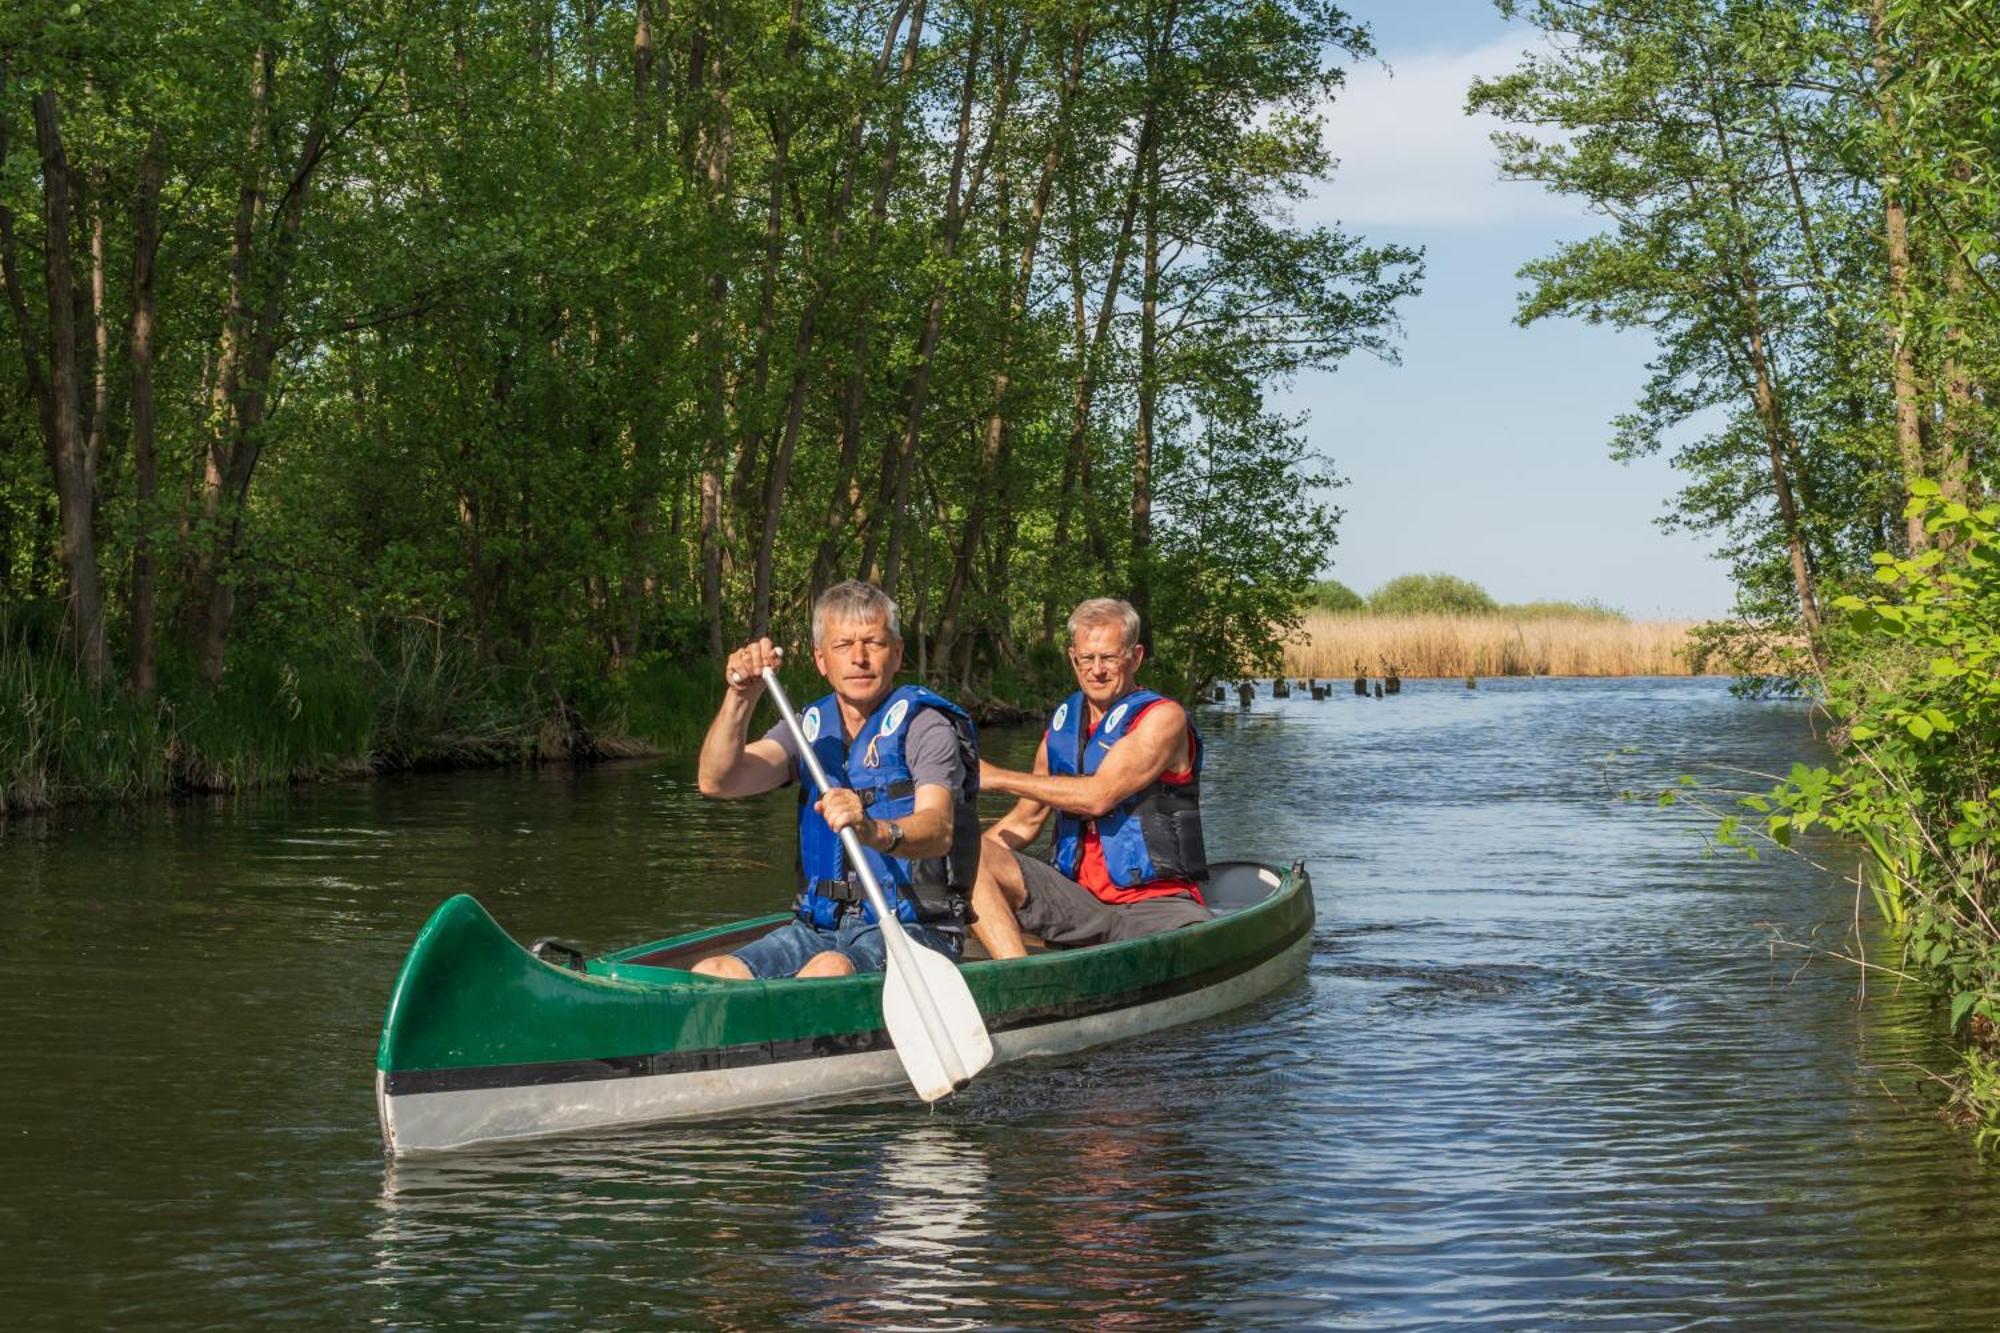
{"type": "Point", "coordinates": [1023, 824]}
{"type": "Point", "coordinates": [1156, 743]}
{"type": "Point", "coordinates": [926, 830]}
{"type": "Point", "coordinates": [732, 765]}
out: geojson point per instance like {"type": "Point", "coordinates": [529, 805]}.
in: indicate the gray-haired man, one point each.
{"type": "Point", "coordinates": [910, 768]}
{"type": "Point", "coordinates": [1120, 769]}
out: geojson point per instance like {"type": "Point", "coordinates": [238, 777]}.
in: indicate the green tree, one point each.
{"type": "Point", "coordinates": [1431, 595]}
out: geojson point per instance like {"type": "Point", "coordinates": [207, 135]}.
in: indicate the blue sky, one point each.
{"type": "Point", "coordinates": [1484, 453]}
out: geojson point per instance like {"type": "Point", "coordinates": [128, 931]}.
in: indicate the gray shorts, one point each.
{"type": "Point", "coordinates": [1062, 911]}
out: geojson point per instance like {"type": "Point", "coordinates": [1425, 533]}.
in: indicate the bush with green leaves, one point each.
{"type": "Point", "coordinates": [1335, 596]}
{"type": "Point", "coordinates": [1431, 595]}
{"type": "Point", "coordinates": [1913, 678]}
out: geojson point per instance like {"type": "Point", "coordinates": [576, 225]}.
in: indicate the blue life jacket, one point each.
{"type": "Point", "coordinates": [933, 891]}
{"type": "Point", "coordinates": [1155, 833]}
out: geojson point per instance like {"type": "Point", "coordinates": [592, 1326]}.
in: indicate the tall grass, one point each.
{"type": "Point", "coordinates": [1335, 646]}
{"type": "Point", "coordinates": [397, 697]}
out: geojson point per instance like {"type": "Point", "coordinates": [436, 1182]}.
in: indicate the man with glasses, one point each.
{"type": "Point", "coordinates": [906, 764]}
{"type": "Point", "coordinates": [1120, 768]}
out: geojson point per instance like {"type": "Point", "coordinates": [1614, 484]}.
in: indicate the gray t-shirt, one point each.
{"type": "Point", "coordinates": [931, 750]}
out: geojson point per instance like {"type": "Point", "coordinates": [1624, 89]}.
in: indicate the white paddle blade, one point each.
{"type": "Point", "coordinates": [958, 1025]}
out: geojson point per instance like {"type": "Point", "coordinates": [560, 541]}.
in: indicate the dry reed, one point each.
{"type": "Point", "coordinates": [1337, 645]}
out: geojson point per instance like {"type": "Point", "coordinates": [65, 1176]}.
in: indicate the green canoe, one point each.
{"type": "Point", "coordinates": [487, 1041]}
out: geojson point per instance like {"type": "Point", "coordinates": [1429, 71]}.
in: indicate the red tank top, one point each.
{"type": "Point", "coordinates": [1093, 874]}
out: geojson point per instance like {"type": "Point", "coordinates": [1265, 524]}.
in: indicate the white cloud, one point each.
{"type": "Point", "coordinates": [1410, 156]}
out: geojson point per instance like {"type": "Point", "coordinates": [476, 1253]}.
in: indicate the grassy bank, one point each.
{"type": "Point", "coordinates": [408, 700]}
{"type": "Point", "coordinates": [1355, 643]}
{"type": "Point", "coordinates": [403, 700]}
{"type": "Point", "coordinates": [1913, 688]}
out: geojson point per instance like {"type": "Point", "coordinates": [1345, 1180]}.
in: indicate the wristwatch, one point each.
{"type": "Point", "coordinates": [895, 836]}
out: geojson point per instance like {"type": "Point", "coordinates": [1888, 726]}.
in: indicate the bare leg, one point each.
{"type": "Point", "coordinates": [725, 965]}
{"type": "Point", "coordinates": [996, 895]}
{"type": "Point", "coordinates": [828, 964]}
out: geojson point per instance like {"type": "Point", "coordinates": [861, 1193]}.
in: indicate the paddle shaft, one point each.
{"type": "Point", "coordinates": [893, 937]}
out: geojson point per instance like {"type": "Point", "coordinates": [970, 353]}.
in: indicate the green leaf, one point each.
{"type": "Point", "coordinates": [1961, 1005]}
{"type": "Point", "coordinates": [1919, 727]}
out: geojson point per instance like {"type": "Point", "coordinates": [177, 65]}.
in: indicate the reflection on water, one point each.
{"type": "Point", "coordinates": [1543, 1068]}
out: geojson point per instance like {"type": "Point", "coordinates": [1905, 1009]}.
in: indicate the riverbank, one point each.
{"type": "Point", "coordinates": [1339, 644]}
{"type": "Point", "coordinates": [416, 702]}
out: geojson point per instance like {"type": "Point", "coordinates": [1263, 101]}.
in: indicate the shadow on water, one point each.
{"type": "Point", "coordinates": [1543, 1067]}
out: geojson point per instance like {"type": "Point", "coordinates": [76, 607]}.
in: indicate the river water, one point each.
{"type": "Point", "coordinates": [1545, 1067]}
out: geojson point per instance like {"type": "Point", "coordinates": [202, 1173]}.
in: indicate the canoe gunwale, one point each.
{"type": "Point", "coordinates": [623, 964]}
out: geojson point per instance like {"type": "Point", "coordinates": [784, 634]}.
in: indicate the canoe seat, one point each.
{"type": "Point", "coordinates": [1235, 885]}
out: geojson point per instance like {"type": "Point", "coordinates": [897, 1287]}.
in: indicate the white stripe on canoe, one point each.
{"type": "Point", "coordinates": [438, 1121]}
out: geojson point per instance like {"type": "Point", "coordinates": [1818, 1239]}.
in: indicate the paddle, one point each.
{"type": "Point", "coordinates": [927, 1007]}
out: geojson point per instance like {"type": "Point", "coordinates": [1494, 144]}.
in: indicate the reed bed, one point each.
{"type": "Point", "coordinates": [1336, 645]}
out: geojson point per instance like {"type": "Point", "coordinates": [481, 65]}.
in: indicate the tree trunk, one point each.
{"type": "Point", "coordinates": [145, 467]}
{"type": "Point", "coordinates": [251, 355]}
{"type": "Point", "coordinates": [1959, 474]}
{"type": "Point", "coordinates": [840, 509]}
{"type": "Point", "coordinates": [958, 207]}
{"type": "Point", "coordinates": [1896, 238]}
{"type": "Point", "coordinates": [1149, 399]}
{"type": "Point", "coordinates": [1076, 461]}
{"type": "Point", "coordinates": [989, 478]}
{"type": "Point", "coordinates": [710, 145]}
{"type": "Point", "coordinates": [68, 448]}
{"type": "Point", "coordinates": [100, 360]}
{"type": "Point", "coordinates": [1771, 414]}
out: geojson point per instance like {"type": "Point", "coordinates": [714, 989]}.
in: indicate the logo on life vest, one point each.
{"type": "Point", "coordinates": [897, 712]}
{"type": "Point", "coordinates": [1061, 718]}
{"type": "Point", "coordinates": [1111, 723]}
{"type": "Point", "coordinates": [811, 723]}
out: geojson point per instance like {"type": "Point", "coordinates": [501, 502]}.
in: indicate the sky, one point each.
{"type": "Point", "coordinates": [1485, 452]}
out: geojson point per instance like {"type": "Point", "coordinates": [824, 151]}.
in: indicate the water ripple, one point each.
{"type": "Point", "coordinates": [1543, 1067]}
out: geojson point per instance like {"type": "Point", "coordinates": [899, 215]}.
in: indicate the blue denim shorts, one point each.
{"type": "Point", "coordinates": [791, 946]}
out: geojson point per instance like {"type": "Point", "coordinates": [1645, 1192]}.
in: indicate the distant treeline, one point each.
{"type": "Point", "coordinates": [578, 334]}
{"type": "Point", "coordinates": [1447, 595]}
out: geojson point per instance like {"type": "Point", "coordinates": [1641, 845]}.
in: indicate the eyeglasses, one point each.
{"type": "Point", "coordinates": [1091, 661]}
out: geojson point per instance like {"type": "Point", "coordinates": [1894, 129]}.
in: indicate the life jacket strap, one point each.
{"type": "Point", "coordinates": [844, 891]}
{"type": "Point", "coordinates": [895, 791]}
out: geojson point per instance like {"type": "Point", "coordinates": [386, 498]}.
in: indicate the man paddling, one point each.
{"type": "Point", "coordinates": [908, 760]}
{"type": "Point", "coordinates": [1120, 768]}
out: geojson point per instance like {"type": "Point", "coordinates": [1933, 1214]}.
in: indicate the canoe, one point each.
{"type": "Point", "coordinates": [488, 1041]}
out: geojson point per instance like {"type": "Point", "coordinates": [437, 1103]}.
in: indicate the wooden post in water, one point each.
{"type": "Point", "coordinates": [1281, 688]}
{"type": "Point", "coordinates": [1245, 692]}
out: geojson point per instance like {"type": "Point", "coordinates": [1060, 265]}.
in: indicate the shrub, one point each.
{"type": "Point", "coordinates": [1431, 594]}
{"type": "Point", "coordinates": [1333, 595]}
{"type": "Point", "coordinates": [1914, 682]}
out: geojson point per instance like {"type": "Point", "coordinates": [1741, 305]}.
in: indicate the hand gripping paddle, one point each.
{"type": "Point", "coordinates": [926, 1005]}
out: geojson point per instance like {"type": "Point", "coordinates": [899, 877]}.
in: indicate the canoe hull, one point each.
{"type": "Point", "coordinates": [438, 1093]}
